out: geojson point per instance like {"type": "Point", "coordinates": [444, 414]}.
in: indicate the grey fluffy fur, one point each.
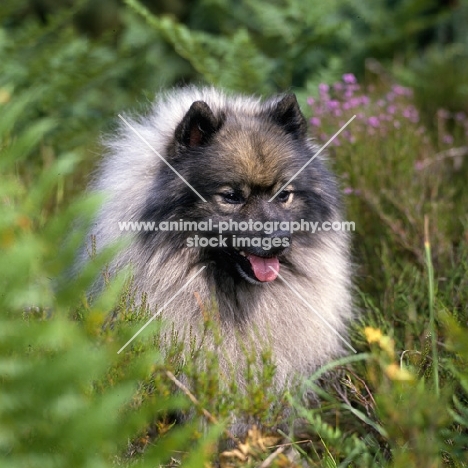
{"type": "Point", "coordinates": [299, 340]}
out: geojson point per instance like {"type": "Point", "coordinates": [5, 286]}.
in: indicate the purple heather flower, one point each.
{"type": "Point", "coordinates": [460, 116]}
{"type": "Point", "coordinates": [349, 93]}
{"type": "Point", "coordinates": [337, 142]}
{"type": "Point", "coordinates": [318, 110]}
{"type": "Point", "coordinates": [411, 113]}
{"type": "Point", "coordinates": [351, 89]}
{"type": "Point", "coordinates": [396, 124]}
{"type": "Point", "coordinates": [310, 101]}
{"type": "Point", "coordinates": [348, 190]}
{"type": "Point", "coordinates": [333, 104]}
{"type": "Point", "coordinates": [338, 86]}
{"type": "Point", "coordinates": [337, 112]}
{"type": "Point", "coordinates": [402, 91]}
{"type": "Point", "coordinates": [443, 114]}
{"type": "Point", "coordinates": [390, 97]}
{"type": "Point", "coordinates": [349, 78]}
{"type": "Point", "coordinates": [381, 103]}
{"type": "Point", "coordinates": [419, 165]}
{"type": "Point", "coordinates": [448, 139]}
{"type": "Point", "coordinates": [365, 100]}
{"type": "Point", "coordinates": [323, 88]}
{"type": "Point", "coordinates": [315, 121]}
{"type": "Point", "coordinates": [391, 109]}
{"type": "Point", "coordinates": [354, 102]}
{"type": "Point", "coordinates": [373, 121]}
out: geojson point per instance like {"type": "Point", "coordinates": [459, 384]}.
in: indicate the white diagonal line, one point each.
{"type": "Point", "coordinates": [161, 309]}
{"type": "Point", "coordinates": [312, 158]}
{"type": "Point", "coordinates": [140, 136]}
{"type": "Point", "coordinates": [314, 311]}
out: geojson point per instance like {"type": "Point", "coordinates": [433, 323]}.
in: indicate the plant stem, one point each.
{"type": "Point", "coordinates": [430, 273]}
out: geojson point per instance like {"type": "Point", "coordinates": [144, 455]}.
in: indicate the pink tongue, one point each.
{"type": "Point", "coordinates": [261, 267]}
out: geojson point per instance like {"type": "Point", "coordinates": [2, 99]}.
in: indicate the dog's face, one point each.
{"type": "Point", "coordinates": [242, 165]}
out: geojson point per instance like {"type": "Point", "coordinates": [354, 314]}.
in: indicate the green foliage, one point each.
{"type": "Point", "coordinates": [298, 39]}
{"type": "Point", "coordinates": [384, 29]}
{"type": "Point", "coordinates": [234, 62]}
{"type": "Point", "coordinates": [257, 47]}
{"type": "Point", "coordinates": [62, 401]}
{"type": "Point", "coordinates": [425, 74]}
{"type": "Point", "coordinates": [406, 406]}
{"type": "Point", "coordinates": [267, 46]}
{"type": "Point", "coordinates": [81, 81]}
{"type": "Point", "coordinates": [68, 399]}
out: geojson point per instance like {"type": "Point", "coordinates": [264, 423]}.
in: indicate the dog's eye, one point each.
{"type": "Point", "coordinates": [284, 196]}
{"type": "Point", "coordinates": [233, 198]}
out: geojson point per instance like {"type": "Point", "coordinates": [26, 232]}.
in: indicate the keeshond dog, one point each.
{"type": "Point", "coordinates": [213, 160]}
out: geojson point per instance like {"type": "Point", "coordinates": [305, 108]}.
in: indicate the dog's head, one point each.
{"type": "Point", "coordinates": [249, 172]}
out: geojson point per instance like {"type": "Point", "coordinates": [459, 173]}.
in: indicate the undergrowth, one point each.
{"type": "Point", "coordinates": [68, 398]}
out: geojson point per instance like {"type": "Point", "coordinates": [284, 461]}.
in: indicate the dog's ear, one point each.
{"type": "Point", "coordinates": [198, 126]}
{"type": "Point", "coordinates": [287, 114]}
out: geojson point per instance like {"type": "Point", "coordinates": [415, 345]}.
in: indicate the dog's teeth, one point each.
{"type": "Point", "coordinates": [242, 253]}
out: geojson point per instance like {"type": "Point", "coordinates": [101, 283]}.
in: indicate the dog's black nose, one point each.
{"type": "Point", "coordinates": [280, 241]}
{"type": "Point", "coordinates": [269, 245]}
{"type": "Point", "coordinates": [281, 234]}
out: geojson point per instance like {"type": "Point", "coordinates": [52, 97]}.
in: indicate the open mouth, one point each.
{"type": "Point", "coordinates": [256, 269]}
{"type": "Point", "coordinates": [257, 263]}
